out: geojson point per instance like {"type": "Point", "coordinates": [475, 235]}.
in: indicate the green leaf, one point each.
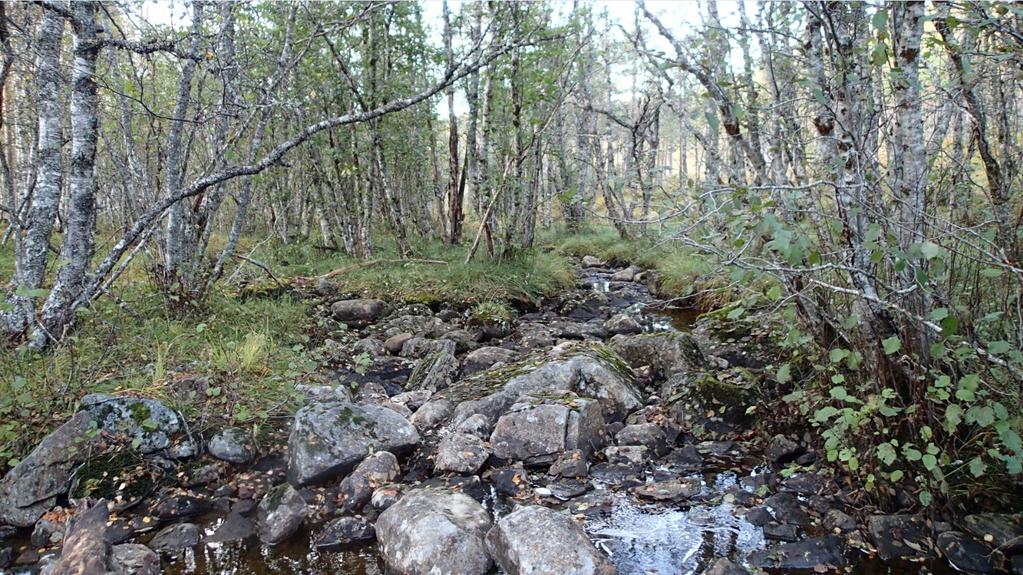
{"type": "Point", "coordinates": [839, 393]}
{"type": "Point", "coordinates": [953, 416]}
{"type": "Point", "coordinates": [891, 345]}
{"type": "Point", "coordinates": [998, 347]}
{"type": "Point", "coordinates": [930, 250]}
{"type": "Point", "coordinates": [977, 466]}
{"type": "Point", "coordinates": [991, 272]}
{"type": "Point", "coordinates": [736, 313]}
{"type": "Point", "coordinates": [886, 453]}
{"type": "Point", "coordinates": [926, 498]}
{"type": "Point", "coordinates": [784, 373]}
{"type": "Point", "coordinates": [838, 354]}
{"type": "Point", "coordinates": [929, 461]}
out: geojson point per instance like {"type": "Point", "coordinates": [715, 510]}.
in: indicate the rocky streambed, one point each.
{"type": "Point", "coordinates": [598, 433]}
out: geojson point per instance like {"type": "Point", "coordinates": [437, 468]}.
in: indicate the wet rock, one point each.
{"type": "Point", "coordinates": [759, 516]}
{"type": "Point", "coordinates": [622, 324]}
{"type": "Point", "coordinates": [329, 440]}
{"type": "Point", "coordinates": [484, 358]}
{"type": "Point", "coordinates": [588, 370]}
{"type": "Point", "coordinates": [617, 474]}
{"type": "Point", "coordinates": [85, 550]}
{"type": "Point", "coordinates": [538, 540]}
{"type": "Point", "coordinates": [808, 484]}
{"type": "Point", "coordinates": [374, 471]}
{"type": "Point", "coordinates": [625, 275]}
{"type": "Point", "coordinates": [175, 538]}
{"type": "Point", "coordinates": [477, 424]}
{"type": "Point", "coordinates": [782, 450]}
{"type": "Point", "coordinates": [177, 505]}
{"type": "Point", "coordinates": [343, 533]}
{"type": "Point", "coordinates": [572, 463]}
{"type": "Point", "coordinates": [460, 453]}
{"type": "Point", "coordinates": [568, 488]}
{"type": "Point", "coordinates": [470, 485]}
{"type": "Point", "coordinates": [592, 262]}
{"type": "Point", "coordinates": [539, 433]}
{"type": "Point", "coordinates": [595, 503]}
{"type": "Point", "coordinates": [510, 481]}
{"type": "Point", "coordinates": [1001, 530]}
{"type": "Point", "coordinates": [786, 508]}
{"type": "Point", "coordinates": [648, 434]}
{"type": "Point", "coordinates": [900, 536]}
{"type": "Point", "coordinates": [233, 445]}
{"type": "Point", "coordinates": [431, 414]}
{"type": "Point", "coordinates": [203, 475]}
{"type": "Point", "coordinates": [394, 344]}
{"type": "Point", "coordinates": [432, 531]}
{"type": "Point", "coordinates": [781, 532]}
{"type": "Point", "coordinates": [280, 514]}
{"type": "Point", "coordinates": [965, 553]}
{"type": "Point", "coordinates": [435, 371]}
{"type": "Point", "coordinates": [135, 559]}
{"type": "Point", "coordinates": [670, 490]}
{"type": "Point", "coordinates": [235, 527]}
{"type": "Point", "coordinates": [722, 566]}
{"type": "Point", "coordinates": [666, 353]}
{"type": "Point", "coordinates": [838, 521]}
{"type": "Point", "coordinates": [421, 347]}
{"type": "Point", "coordinates": [358, 312]}
{"type": "Point", "coordinates": [6, 557]}
{"type": "Point", "coordinates": [31, 488]}
{"type": "Point", "coordinates": [817, 554]}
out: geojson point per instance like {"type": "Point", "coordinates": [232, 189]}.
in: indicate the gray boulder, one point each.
{"type": "Point", "coordinates": [86, 551]}
{"type": "Point", "coordinates": [280, 514]}
{"type": "Point", "coordinates": [540, 432]}
{"type": "Point", "coordinates": [431, 414]}
{"type": "Point", "coordinates": [358, 312]}
{"type": "Point", "coordinates": [536, 540]}
{"type": "Point", "coordinates": [460, 453]}
{"type": "Point", "coordinates": [329, 439]}
{"type": "Point", "coordinates": [31, 488]}
{"type": "Point", "coordinates": [592, 262]}
{"type": "Point", "coordinates": [435, 371]}
{"type": "Point", "coordinates": [432, 531]}
{"type": "Point", "coordinates": [420, 347]}
{"type": "Point", "coordinates": [175, 538]}
{"type": "Point", "coordinates": [484, 358]}
{"type": "Point", "coordinates": [626, 275]}
{"type": "Point", "coordinates": [233, 445]}
{"type": "Point", "coordinates": [394, 343]}
{"type": "Point", "coordinates": [622, 323]}
{"type": "Point", "coordinates": [588, 370]}
{"type": "Point", "coordinates": [376, 470]}
{"type": "Point", "coordinates": [665, 352]}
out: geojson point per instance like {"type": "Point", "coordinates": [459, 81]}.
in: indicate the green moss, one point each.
{"type": "Point", "coordinates": [712, 390]}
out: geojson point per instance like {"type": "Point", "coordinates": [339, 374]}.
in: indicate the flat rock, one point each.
{"type": "Point", "coordinates": [135, 559]}
{"type": "Point", "coordinates": [328, 440]}
{"type": "Point", "coordinates": [484, 358]}
{"type": "Point", "coordinates": [965, 553]}
{"type": "Point", "coordinates": [539, 541]}
{"type": "Point", "coordinates": [669, 490]}
{"type": "Point", "coordinates": [817, 554]}
{"type": "Point", "coordinates": [1001, 530]}
{"type": "Point", "coordinates": [900, 536]}
{"type": "Point", "coordinates": [622, 323]}
{"type": "Point", "coordinates": [434, 531]}
{"type": "Point", "coordinates": [343, 533]}
{"type": "Point", "coordinates": [647, 434]}
{"type": "Point", "coordinates": [235, 527]}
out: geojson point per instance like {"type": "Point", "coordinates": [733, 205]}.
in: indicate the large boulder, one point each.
{"type": "Point", "coordinates": [536, 540]}
{"type": "Point", "coordinates": [540, 430]}
{"type": "Point", "coordinates": [665, 352]}
{"type": "Point", "coordinates": [329, 439]}
{"type": "Point", "coordinates": [460, 453]}
{"type": "Point", "coordinates": [433, 531]}
{"type": "Point", "coordinates": [484, 358]}
{"type": "Point", "coordinates": [358, 312]}
{"type": "Point", "coordinates": [31, 488]}
{"type": "Point", "coordinates": [588, 370]}
{"type": "Point", "coordinates": [232, 444]}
